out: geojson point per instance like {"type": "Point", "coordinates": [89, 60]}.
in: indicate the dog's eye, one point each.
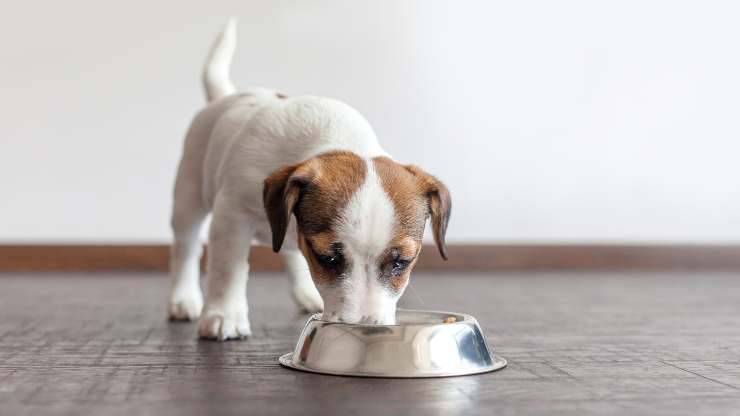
{"type": "Point", "coordinates": [398, 265]}
{"type": "Point", "coordinates": [330, 262]}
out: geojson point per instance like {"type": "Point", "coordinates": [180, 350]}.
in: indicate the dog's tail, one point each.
{"type": "Point", "coordinates": [216, 79]}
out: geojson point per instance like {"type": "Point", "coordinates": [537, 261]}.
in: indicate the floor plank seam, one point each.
{"type": "Point", "coordinates": [700, 375]}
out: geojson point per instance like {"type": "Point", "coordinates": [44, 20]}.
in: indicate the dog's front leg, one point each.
{"type": "Point", "coordinates": [225, 314]}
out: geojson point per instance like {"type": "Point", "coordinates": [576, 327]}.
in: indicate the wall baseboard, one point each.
{"type": "Point", "coordinates": [486, 257]}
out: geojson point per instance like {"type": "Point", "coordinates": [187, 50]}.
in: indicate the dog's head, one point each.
{"type": "Point", "coordinates": [360, 224]}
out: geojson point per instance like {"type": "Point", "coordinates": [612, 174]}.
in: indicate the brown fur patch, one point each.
{"type": "Point", "coordinates": [314, 190]}
{"type": "Point", "coordinates": [408, 248]}
{"type": "Point", "coordinates": [336, 176]}
{"type": "Point", "coordinates": [322, 242]}
{"type": "Point", "coordinates": [416, 195]}
{"type": "Point", "coordinates": [439, 203]}
{"type": "Point", "coordinates": [281, 95]}
{"type": "Point", "coordinates": [403, 189]}
{"type": "Point", "coordinates": [409, 201]}
{"type": "Point", "coordinates": [400, 281]}
{"type": "Point", "coordinates": [318, 274]}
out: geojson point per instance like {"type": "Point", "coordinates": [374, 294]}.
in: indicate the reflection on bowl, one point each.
{"type": "Point", "coordinates": [420, 345]}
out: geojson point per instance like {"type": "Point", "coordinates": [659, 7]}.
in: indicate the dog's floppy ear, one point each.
{"type": "Point", "coordinates": [281, 192]}
{"type": "Point", "coordinates": [439, 203]}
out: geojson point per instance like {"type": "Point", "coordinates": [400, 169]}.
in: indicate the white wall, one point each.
{"type": "Point", "coordinates": [549, 121]}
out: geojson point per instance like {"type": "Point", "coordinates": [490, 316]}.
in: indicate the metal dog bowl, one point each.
{"type": "Point", "coordinates": [420, 345]}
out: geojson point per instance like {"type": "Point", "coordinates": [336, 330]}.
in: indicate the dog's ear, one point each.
{"type": "Point", "coordinates": [281, 192]}
{"type": "Point", "coordinates": [439, 204]}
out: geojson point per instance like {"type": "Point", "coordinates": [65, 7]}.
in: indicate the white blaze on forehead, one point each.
{"type": "Point", "coordinates": [367, 222]}
{"type": "Point", "coordinates": [365, 228]}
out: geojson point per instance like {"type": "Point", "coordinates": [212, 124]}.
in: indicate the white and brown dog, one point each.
{"type": "Point", "coordinates": [255, 159]}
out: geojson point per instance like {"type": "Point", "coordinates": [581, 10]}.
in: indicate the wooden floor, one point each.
{"type": "Point", "coordinates": [628, 344]}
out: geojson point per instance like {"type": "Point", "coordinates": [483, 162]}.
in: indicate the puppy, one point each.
{"type": "Point", "coordinates": [256, 159]}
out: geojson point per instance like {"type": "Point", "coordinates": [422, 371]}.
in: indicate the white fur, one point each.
{"type": "Point", "coordinates": [231, 147]}
{"type": "Point", "coordinates": [365, 227]}
{"type": "Point", "coordinates": [216, 79]}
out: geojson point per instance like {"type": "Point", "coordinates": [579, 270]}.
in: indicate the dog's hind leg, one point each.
{"type": "Point", "coordinates": [188, 215]}
{"type": "Point", "coordinates": [186, 298]}
{"type": "Point", "coordinates": [304, 290]}
{"type": "Point", "coordinates": [189, 211]}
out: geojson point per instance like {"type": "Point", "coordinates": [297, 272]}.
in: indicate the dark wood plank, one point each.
{"type": "Point", "coordinates": [91, 258]}
{"type": "Point", "coordinates": [578, 343]}
{"type": "Point", "coordinates": [489, 257]}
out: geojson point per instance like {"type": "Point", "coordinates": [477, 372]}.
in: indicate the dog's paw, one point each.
{"type": "Point", "coordinates": [308, 298]}
{"type": "Point", "coordinates": [185, 304]}
{"type": "Point", "coordinates": [222, 323]}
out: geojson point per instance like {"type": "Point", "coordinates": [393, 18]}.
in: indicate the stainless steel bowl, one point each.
{"type": "Point", "coordinates": [420, 345]}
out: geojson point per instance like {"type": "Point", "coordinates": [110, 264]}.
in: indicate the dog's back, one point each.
{"type": "Point", "coordinates": [240, 138]}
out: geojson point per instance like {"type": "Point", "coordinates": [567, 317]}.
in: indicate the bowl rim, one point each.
{"type": "Point", "coordinates": [497, 363]}
{"type": "Point", "coordinates": [467, 319]}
